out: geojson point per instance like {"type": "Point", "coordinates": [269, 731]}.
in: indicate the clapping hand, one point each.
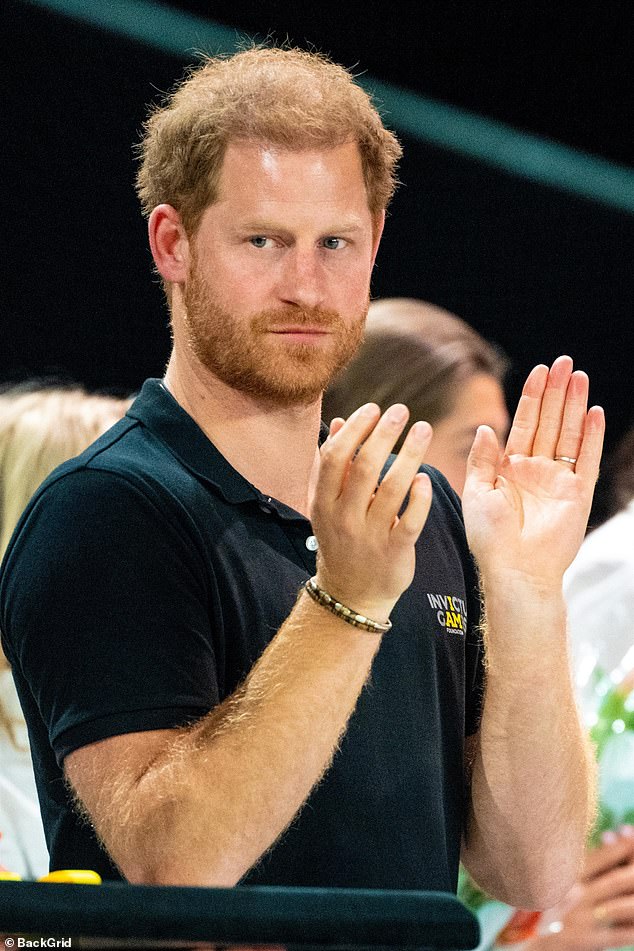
{"type": "Point", "coordinates": [366, 549]}
{"type": "Point", "coordinates": [526, 509]}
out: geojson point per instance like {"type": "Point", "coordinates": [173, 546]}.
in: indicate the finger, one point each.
{"type": "Point", "coordinates": [612, 884]}
{"type": "Point", "coordinates": [607, 856]}
{"type": "Point", "coordinates": [483, 460]}
{"type": "Point", "coordinates": [337, 452]}
{"type": "Point", "coordinates": [589, 457]}
{"type": "Point", "coordinates": [336, 424]}
{"type": "Point", "coordinates": [624, 831]}
{"type": "Point", "coordinates": [412, 521]}
{"type": "Point", "coordinates": [365, 471]}
{"type": "Point", "coordinates": [572, 427]}
{"type": "Point", "coordinates": [616, 911]}
{"type": "Point", "coordinates": [526, 419]}
{"type": "Point", "coordinates": [391, 493]}
{"type": "Point", "coordinates": [552, 408]}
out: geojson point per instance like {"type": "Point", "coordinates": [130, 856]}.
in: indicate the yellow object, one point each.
{"type": "Point", "coordinates": [9, 876]}
{"type": "Point", "coordinates": [78, 876]}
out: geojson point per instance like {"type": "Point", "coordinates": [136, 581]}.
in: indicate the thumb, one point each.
{"type": "Point", "coordinates": [335, 426]}
{"type": "Point", "coordinates": [482, 464]}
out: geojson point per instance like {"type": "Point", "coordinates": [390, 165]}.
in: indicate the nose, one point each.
{"type": "Point", "coordinates": [302, 279]}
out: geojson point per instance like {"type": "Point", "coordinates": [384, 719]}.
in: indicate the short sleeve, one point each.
{"type": "Point", "coordinates": [106, 611]}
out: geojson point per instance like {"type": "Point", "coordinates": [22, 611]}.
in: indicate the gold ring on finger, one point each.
{"type": "Point", "coordinates": [600, 915]}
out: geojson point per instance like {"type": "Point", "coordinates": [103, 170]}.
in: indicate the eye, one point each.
{"type": "Point", "coordinates": [259, 241]}
{"type": "Point", "coordinates": [332, 243]}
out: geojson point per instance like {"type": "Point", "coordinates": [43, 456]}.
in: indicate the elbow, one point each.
{"type": "Point", "coordinates": [537, 895]}
{"type": "Point", "coordinates": [184, 872]}
{"type": "Point", "coordinates": [525, 879]}
{"type": "Point", "coordinates": [552, 879]}
{"type": "Point", "coordinates": [542, 886]}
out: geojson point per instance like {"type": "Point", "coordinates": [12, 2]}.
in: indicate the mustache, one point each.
{"type": "Point", "coordinates": [295, 317]}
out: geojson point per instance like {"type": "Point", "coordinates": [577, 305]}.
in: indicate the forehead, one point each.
{"type": "Point", "coordinates": [260, 174]}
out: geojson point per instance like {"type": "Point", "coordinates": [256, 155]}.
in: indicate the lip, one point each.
{"type": "Point", "coordinates": [301, 331]}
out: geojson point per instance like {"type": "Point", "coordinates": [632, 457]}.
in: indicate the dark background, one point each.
{"type": "Point", "coordinates": [539, 270]}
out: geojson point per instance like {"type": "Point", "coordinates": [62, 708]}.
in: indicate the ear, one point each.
{"type": "Point", "coordinates": [378, 223]}
{"type": "Point", "coordinates": [169, 244]}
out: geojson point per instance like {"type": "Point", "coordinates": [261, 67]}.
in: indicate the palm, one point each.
{"type": "Point", "coordinates": [533, 507]}
{"type": "Point", "coordinates": [528, 512]}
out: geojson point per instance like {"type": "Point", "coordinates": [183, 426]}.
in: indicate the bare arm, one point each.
{"type": "Point", "coordinates": [532, 770]}
{"type": "Point", "coordinates": [201, 805]}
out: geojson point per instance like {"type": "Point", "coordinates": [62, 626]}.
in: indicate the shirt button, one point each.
{"type": "Point", "coordinates": [311, 543]}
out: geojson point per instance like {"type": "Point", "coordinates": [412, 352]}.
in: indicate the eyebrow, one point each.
{"type": "Point", "coordinates": [255, 225]}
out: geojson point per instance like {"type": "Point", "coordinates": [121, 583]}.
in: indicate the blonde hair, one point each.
{"type": "Point", "coordinates": [413, 353]}
{"type": "Point", "coordinates": [39, 429]}
{"type": "Point", "coordinates": [285, 97]}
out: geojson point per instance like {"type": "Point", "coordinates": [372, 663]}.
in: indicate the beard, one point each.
{"type": "Point", "coordinates": [247, 356]}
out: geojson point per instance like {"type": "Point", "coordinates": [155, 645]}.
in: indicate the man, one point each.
{"type": "Point", "coordinates": [211, 725]}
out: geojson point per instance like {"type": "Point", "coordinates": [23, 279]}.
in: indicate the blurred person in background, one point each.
{"type": "Point", "coordinates": [438, 366]}
{"type": "Point", "coordinates": [41, 426]}
{"type": "Point", "coordinates": [599, 585]}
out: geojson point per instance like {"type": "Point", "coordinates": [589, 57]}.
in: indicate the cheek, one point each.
{"type": "Point", "coordinates": [450, 462]}
{"type": "Point", "coordinates": [243, 288]}
{"type": "Point", "coordinates": [349, 294]}
{"type": "Point", "coordinates": [359, 277]}
{"type": "Point", "coordinates": [348, 270]}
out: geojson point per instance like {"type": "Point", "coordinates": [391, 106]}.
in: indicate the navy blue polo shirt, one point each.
{"type": "Point", "coordinates": [145, 579]}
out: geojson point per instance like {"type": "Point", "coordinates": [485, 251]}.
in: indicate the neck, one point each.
{"type": "Point", "coordinates": [274, 447]}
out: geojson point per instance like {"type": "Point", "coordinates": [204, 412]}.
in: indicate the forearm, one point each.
{"type": "Point", "coordinates": [532, 776]}
{"type": "Point", "coordinates": [218, 797]}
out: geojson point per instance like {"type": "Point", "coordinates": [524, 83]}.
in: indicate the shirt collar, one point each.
{"type": "Point", "coordinates": [165, 418]}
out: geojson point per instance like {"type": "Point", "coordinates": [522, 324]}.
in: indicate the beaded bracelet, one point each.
{"type": "Point", "coordinates": [346, 614]}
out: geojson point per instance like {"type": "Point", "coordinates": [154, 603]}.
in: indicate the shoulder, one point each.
{"type": "Point", "coordinates": [445, 518]}
{"type": "Point", "coordinates": [443, 495]}
{"type": "Point", "coordinates": [97, 523]}
{"type": "Point", "coordinates": [125, 471]}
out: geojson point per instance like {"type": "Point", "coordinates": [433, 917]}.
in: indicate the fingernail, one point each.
{"type": "Point", "coordinates": [609, 837]}
{"type": "Point", "coordinates": [578, 383]}
{"type": "Point", "coordinates": [626, 830]}
{"type": "Point", "coordinates": [560, 359]}
{"type": "Point", "coordinates": [368, 410]}
{"type": "Point", "coordinates": [396, 414]}
{"type": "Point", "coordinates": [420, 431]}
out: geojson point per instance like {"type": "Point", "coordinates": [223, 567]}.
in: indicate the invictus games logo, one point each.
{"type": "Point", "coordinates": [451, 612]}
